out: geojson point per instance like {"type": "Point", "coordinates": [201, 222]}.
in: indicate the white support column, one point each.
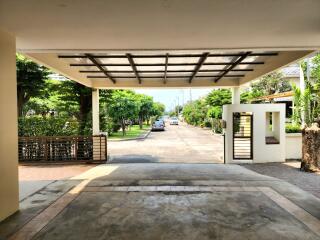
{"type": "Point", "coordinates": [9, 188]}
{"type": "Point", "coordinates": [235, 95]}
{"type": "Point", "coordinates": [95, 112]}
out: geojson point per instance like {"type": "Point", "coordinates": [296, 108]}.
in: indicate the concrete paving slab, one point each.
{"type": "Point", "coordinates": [290, 172]}
{"type": "Point", "coordinates": [168, 201]}
{"type": "Point", "coordinates": [34, 205]}
{"type": "Point", "coordinates": [141, 215]}
{"type": "Point", "coordinates": [27, 188]}
{"type": "Point", "coordinates": [169, 171]}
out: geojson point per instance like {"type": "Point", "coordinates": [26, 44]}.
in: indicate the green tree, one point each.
{"type": "Point", "coordinates": [123, 107]}
{"type": "Point", "coordinates": [215, 100]}
{"type": "Point", "coordinates": [195, 112]}
{"type": "Point", "coordinates": [145, 104]}
{"type": "Point", "coordinates": [39, 106]}
{"type": "Point", "coordinates": [270, 84]}
{"type": "Point", "coordinates": [215, 112]}
{"type": "Point", "coordinates": [314, 87]}
{"type": "Point", "coordinates": [296, 116]}
{"type": "Point", "coordinates": [219, 97]}
{"type": "Point", "coordinates": [31, 81]}
{"type": "Point", "coordinates": [75, 99]}
{"type": "Point", "coordinates": [158, 109]}
{"type": "Point", "coordinates": [307, 103]}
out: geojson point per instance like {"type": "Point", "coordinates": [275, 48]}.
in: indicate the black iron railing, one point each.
{"type": "Point", "coordinates": [242, 136]}
{"type": "Point", "coordinates": [63, 148]}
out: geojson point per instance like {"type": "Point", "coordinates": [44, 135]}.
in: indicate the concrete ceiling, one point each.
{"type": "Point", "coordinates": [46, 28]}
{"type": "Point", "coordinates": [162, 24]}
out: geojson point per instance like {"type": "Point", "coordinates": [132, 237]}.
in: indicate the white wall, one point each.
{"type": "Point", "coordinates": [293, 146]}
{"type": "Point", "coordinates": [262, 152]}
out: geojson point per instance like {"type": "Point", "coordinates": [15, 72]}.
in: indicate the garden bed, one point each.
{"type": "Point", "coordinates": [133, 132]}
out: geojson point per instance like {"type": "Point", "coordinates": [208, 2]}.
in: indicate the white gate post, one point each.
{"type": "Point", "coordinates": [235, 95]}
{"type": "Point", "coordinates": [95, 112]}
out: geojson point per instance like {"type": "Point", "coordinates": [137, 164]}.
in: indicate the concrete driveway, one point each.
{"type": "Point", "coordinates": [33, 178]}
{"type": "Point", "coordinates": [177, 144]}
{"type": "Point", "coordinates": [167, 201]}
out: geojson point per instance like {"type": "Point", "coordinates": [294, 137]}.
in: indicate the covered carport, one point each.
{"type": "Point", "coordinates": [126, 44]}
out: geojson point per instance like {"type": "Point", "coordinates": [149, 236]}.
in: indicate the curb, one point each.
{"type": "Point", "coordinates": [205, 129]}
{"type": "Point", "coordinates": [131, 139]}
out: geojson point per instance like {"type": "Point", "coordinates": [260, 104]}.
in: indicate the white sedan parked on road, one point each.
{"type": "Point", "coordinates": [158, 126]}
{"type": "Point", "coordinates": [174, 121]}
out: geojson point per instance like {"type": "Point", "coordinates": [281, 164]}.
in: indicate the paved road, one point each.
{"type": "Point", "coordinates": [179, 144]}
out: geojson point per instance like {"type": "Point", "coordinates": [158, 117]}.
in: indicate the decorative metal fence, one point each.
{"type": "Point", "coordinates": [242, 136]}
{"type": "Point", "coordinates": [63, 148]}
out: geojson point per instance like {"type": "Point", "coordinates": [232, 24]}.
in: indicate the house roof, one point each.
{"type": "Point", "coordinates": [291, 71]}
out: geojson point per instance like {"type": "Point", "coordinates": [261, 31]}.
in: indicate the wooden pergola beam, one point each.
{"type": "Point", "coordinates": [199, 65]}
{"type": "Point", "coordinates": [133, 66]}
{"type": "Point", "coordinates": [233, 65]}
{"type": "Point", "coordinates": [276, 95]}
{"type": "Point", "coordinates": [163, 64]}
{"type": "Point", "coordinates": [166, 69]}
{"type": "Point", "coordinates": [176, 76]}
{"type": "Point", "coordinates": [102, 69]}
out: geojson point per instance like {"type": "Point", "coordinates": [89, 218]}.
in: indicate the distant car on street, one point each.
{"type": "Point", "coordinates": [163, 121]}
{"type": "Point", "coordinates": [174, 121]}
{"type": "Point", "coordinates": [158, 125]}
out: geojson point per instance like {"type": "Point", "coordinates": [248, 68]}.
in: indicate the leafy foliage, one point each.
{"type": "Point", "coordinates": [145, 108]}
{"type": "Point", "coordinates": [31, 80]}
{"type": "Point", "coordinates": [219, 97]}
{"type": "Point", "coordinates": [48, 107]}
{"type": "Point", "coordinates": [296, 116]}
{"type": "Point", "coordinates": [207, 112]}
{"type": "Point", "coordinates": [157, 109]}
{"type": "Point", "coordinates": [123, 108]}
{"type": "Point", "coordinates": [270, 84]}
{"type": "Point", "coordinates": [307, 103]}
{"type": "Point", "coordinates": [195, 112]}
{"type": "Point", "coordinates": [47, 126]}
{"type": "Point", "coordinates": [267, 85]}
{"type": "Point", "coordinates": [293, 128]}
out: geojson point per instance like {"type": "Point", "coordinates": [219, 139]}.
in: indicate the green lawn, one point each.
{"type": "Point", "coordinates": [133, 132]}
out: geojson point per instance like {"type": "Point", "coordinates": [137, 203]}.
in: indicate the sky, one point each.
{"type": "Point", "coordinates": [171, 97]}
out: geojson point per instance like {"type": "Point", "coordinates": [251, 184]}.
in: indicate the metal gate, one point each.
{"type": "Point", "coordinates": [63, 148]}
{"type": "Point", "coordinates": [242, 136]}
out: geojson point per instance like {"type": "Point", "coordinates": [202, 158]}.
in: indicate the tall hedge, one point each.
{"type": "Point", "coordinates": [47, 126]}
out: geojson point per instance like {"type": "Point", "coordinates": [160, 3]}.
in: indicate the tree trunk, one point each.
{"type": "Point", "coordinates": [140, 122]}
{"type": "Point", "coordinates": [85, 105]}
{"type": "Point", "coordinates": [22, 100]}
{"type": "Point", "coordinates": [311, 148]}
{"type": "Point", "coordinates": [123, 126]}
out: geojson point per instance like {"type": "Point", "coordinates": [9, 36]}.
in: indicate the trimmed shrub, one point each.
{"type": "Point", "coordinates": [290, 128]}
{"type": "Point", "coordinates": [47, 126]}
